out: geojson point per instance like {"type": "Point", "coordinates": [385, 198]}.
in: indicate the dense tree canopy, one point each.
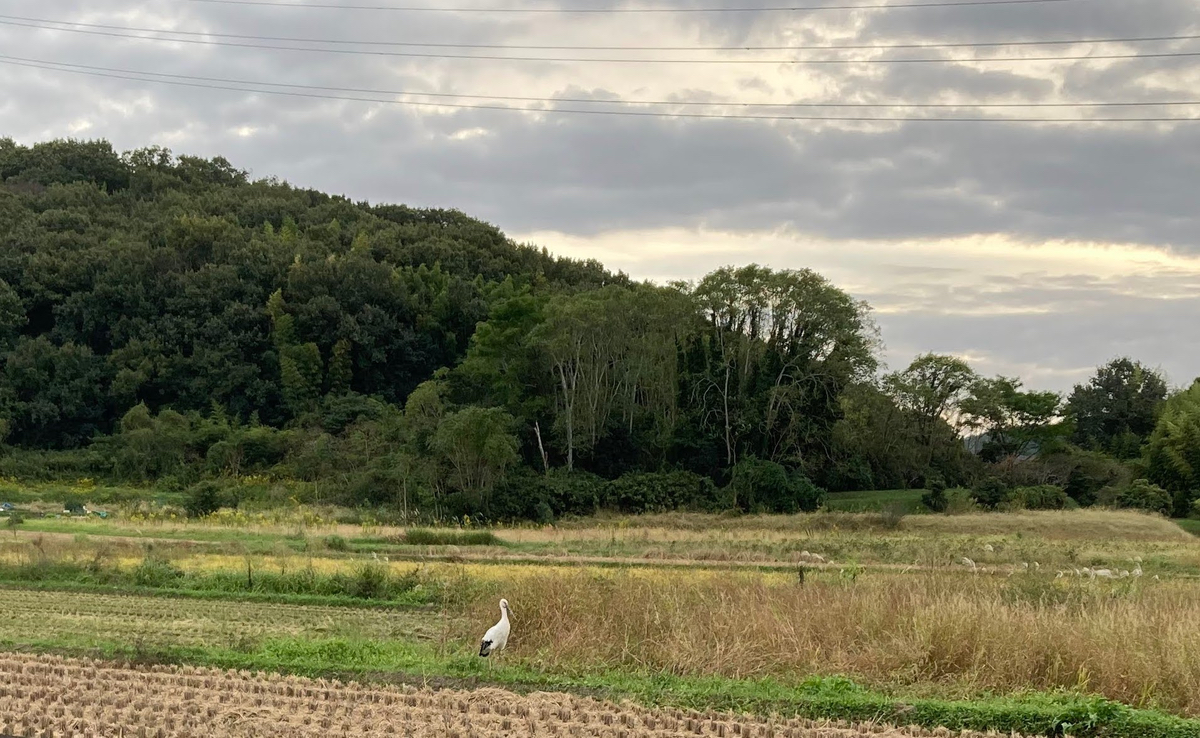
{"type": "Point", "coordinates": [1116, 410]}
{"type": "Point", "coordinates": [167, 320]}
{"type": "Point", "coordinates": [1173, 451]}
{"type": "Point", "coordinates": [180, 283]}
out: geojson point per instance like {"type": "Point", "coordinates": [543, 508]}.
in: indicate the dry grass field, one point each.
{"type": "Point", "coordinates": [948, 633]}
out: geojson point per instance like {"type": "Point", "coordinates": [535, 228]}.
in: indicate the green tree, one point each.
{"type": "Point", "coordinates": [1117, 409]}
{"type": "Point", "coordinates": [612, 360]}
{"type": "Point", "coordinates": [874, 444]}
{"type": "Point", "coordinates": [147, 448]}
{"type": "Point", "coordinates": [1013, 422]}
{"type": "Point", "coordinates": [478, 447]}
{"type": "Point", "coordinates": [931, 388]}
{"type": "Point", "coordinates": [12, 316]}
{"type": "Point", "coordinates": [1173, 450]}
{"type": "Point", "coordinates": [782, 346]}
{"type": "Point", "coordinates": [507, 366]}
{"type": "Point", "coordinates": [341, 370]}
{"type": "Point", "coordinates": [300, 372]}
{"type": "Point", "coordinates": [57, 396]}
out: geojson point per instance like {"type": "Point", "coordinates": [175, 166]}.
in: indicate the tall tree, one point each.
{"type": "Point", "coordinates": [874, 443]}
{"type": "Point", "coordinates": [1014, 422]}
{"type": "Point", "coordinates": [782, 347]}
{"type": "Point", "coordinates": [1116, 410]}
{"type": "Point", "coordinates": [931, 388]}
{"type": "Point", "coordinates": [930, 391]}
{"type": "Point", "coordinates": [478, 446]}
{"type": "Point", "coordinates": [611, 356]}
{"type": "Point", "coordinates": [1173, 451]}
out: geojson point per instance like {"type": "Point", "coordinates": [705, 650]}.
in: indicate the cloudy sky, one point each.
{"type": "Point", "coordinates": [1033, 249]}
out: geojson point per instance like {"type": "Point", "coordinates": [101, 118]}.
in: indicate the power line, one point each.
{"type": "Point", "coordinates": [802, 47]}
{"type": "Point", "coordinates": [769, 9]}
{"type": "Point", "coordinates": [146, 77]}
{"type": "Point", "coordinates": [614, 60]}
{"type": "Point", "coordinates": [594, 101]}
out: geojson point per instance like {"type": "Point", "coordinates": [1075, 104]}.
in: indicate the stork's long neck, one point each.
{"type": "Point", "coordinates": [504, 614]}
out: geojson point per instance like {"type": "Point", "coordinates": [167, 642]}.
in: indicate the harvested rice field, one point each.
{"type": "Point", "coordinates": [59, 697]}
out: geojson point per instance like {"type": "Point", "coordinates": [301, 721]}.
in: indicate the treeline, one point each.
{"type": "Point", "coordinates": [165, 320]}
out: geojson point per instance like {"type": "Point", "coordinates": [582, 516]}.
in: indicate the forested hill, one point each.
{"type": "Point", "coordinates": [167, 321]}
{"type": "Point", "coordinates": [146, 278]}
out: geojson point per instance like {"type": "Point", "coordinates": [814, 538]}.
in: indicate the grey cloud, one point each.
{"type": "Point", "coordinates": [588, 175]}
{"type": "Point", "coordinates": [1053, 351]}
{"type": "Point", "coordinates": [925, 82]}
{"type": "Point", "coordinates": [1061, 20]}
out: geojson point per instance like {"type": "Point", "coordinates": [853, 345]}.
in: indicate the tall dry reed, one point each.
{"type": "Point", "coordinates": [949, 634]}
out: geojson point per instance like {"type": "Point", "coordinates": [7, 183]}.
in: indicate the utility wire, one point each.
{"type": "Point", "coordinates": [748, 9]}
{"type": "Point", "coordinates": [614, 60]}
{"type": "Point", "coordinates": [594, 101]}
{"type": "Point", "coordinates": [527, 47]}
{"type": "Point", "coordinates": [146, 77]}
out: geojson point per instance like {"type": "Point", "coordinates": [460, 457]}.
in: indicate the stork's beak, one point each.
{"type": "Point", "coordinates": [510, 610]}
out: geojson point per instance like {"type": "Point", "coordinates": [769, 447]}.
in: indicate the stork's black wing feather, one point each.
{"type": "Point", "coordinates": [485, 647]}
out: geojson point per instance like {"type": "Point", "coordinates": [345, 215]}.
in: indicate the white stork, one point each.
{"type": "Point", "coordinates": [496, 638]}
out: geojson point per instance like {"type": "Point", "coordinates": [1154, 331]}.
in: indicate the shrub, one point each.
{"type": "Point", "coordinates": [1143, 495]}
{"type": "Point", "coordinates": [990, 492]}
{"type": "Point", "coordinates": [426, 537]}
{"type": "Point", "coordinates": [848, 475]}
{"type": "Point", "coordinates": [15, 519]}
{"type": "Point", "coordinates": [1091, 472]}
{"type": "Point", "coordinates": [336, 543]}
{"type": "Point", "coordinates": [935, 495]}
{"type": "Point", "coordinates": [155, 571]}
{"type": "Point", "coordinates": [73, 504]}
{"type": "Point", "coordinates": [960, 502]}
{"type": "Point", "coordinates": [1040, 497]}
{"type": "Point", "coordinates": [660, 491]}
{"type": "Point", "coordinates": [203, 498]}
{"type": "Point", "coordinates": [543, 513]}
{"type": "Point", "coordinates": [371, 582]}
{"type": "Point", "coordinates": [338, 412]}
{"type": "Point", "coordinates": [758, 485]}
{"type": "Point", "coordinates": [575, 493]}
{"type": "Point", "coordinates": [806, 494]}
{"type": "Point", "coordinates": [893, 515]}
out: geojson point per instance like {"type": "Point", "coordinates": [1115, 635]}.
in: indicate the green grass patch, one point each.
{"type": "Point", "coordinates": [270, 598]}
{"type": "Point", "coordinates": [195, 533]}
{"type": "Point", "coordinates": [1191, 525]}
{"type": "Point", "coordinates": [450, 537]}
{"type": "Point", "coordinates": [909, 500]}
{"type": "Point", "coordinates": [1045, 714]}
{"type": "Point", "coordinates": [21, 493]}
{"type": "Point", "coordinates": [369, 582]}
